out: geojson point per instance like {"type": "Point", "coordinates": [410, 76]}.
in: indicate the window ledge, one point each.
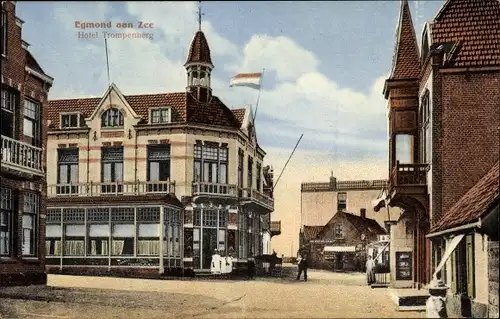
{"type": "Point", "coordinates": [112, 128]}
{"type": "Point", "coordinates": [7, 260]}
{"type": "Point", "coordinates": [31, 259]}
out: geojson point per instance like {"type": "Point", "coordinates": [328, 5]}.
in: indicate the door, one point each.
{"type": "Point", "coordinates": [209, 245]}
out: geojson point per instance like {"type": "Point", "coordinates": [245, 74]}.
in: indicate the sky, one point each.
{"type": "Point", "coordinates": [325, 64]}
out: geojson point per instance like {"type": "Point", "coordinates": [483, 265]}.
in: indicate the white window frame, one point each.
{"type": "Point", "coordinates": [425, 126]}
{"type": "Point", "coordinates": [78, 122]}
{"type": "Point", "coordinates": [118, 118]}
{"type": "Point", "coordinates": [34, 118]}
{"type": "Point", "coordinates": [31, 208]}
{"type": "Point", "coordinates": [160, 120]}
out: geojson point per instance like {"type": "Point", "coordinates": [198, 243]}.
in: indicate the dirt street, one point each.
{"type": "Point", "coordinates": [326, 294]}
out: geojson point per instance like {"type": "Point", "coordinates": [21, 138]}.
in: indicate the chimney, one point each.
{"type": "Point", "coordinates": [333, 182]}
{"type": "Point", "coordinates": [362, 213]}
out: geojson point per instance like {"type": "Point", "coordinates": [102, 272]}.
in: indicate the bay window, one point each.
{"type": "Point", "coordinates": [6, 215]}
{"type": "Point", "coordinates": [112, 169]}
{"type": "Point", "coordinates": [32, 119]}
{"type": "Point", "coordinates": [404, 143]}
{"type": "Point", "coordinates": [30, 223]}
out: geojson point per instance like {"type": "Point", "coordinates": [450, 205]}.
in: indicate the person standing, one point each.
{"type": "Point", "coordinates": [370, 270]}
{"type": "Point", "coordinates": [302, 261]}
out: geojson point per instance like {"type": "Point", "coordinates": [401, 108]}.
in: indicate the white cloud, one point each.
{"type": "Point", "coordinates": [303, 95]}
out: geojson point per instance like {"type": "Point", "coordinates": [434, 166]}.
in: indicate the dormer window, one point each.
{"type": "Point", "coordinates": [161, 115]}
{"type": "Point", "coordinates": [112, 118]}
{"type": "Point", "coordinates": [70, 120]}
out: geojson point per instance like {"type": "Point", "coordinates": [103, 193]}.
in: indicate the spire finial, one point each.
{"type": "Point", "coordinates": [199, 15]}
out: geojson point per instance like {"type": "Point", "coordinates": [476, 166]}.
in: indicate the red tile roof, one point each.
{"type": "Point", "coordinates": [310, 232]}
{"type": "Point", "coordinates": [199, 50]}
{"type": "Point", "coordinates": [240, 114]}
{"type": "Point", "coordinates": [406, 61]}
{"type": "Point", "coordinates": [474, 204]}
{"type": "Point", "coordinates": [474, 22]}
{"type": "Point", "coordinates": [186, 109]}
{"type": "Point", "coordinates": [367, 226]}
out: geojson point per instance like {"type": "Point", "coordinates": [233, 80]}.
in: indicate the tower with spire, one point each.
{"type": "Point", "coordinates": [199, 65]}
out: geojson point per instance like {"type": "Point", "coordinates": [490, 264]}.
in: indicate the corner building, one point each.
{"type": "Point", "coordinates": [24, 90]}
{"type": "Point", "coordinates": [147, 185]}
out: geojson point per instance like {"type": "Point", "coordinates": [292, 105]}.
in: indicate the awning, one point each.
{"type": "Point", "coordinates": [447, 253]}
{"type": "Point", "coordinates": [340, 249]}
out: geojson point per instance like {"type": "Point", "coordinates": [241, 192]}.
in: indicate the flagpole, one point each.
{"type": "Point", "coordinates": [258, 97]}
{"type": "Point", "coordinates": [107, 67]}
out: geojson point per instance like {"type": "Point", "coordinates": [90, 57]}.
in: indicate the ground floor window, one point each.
{"type": "Point", "coordinates": [462, 267]}
{"type": "Point", "coordinates": [438, 249]}
{"type": "Point", "coordinates": [6, 216]}
{"type": "Point", "coordinates": [30, 223]}
{"type": "Point", "coordinates": [243, 235]}
{"type": "Point", "coordinates": [113, 232]}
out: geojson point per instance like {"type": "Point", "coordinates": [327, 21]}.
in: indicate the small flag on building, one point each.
{"type": "Point", "coordinates": [251, 80]}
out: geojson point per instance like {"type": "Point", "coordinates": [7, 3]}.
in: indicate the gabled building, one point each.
{"type": "Point", "coordinates": [153, 184]}
{"type": "Point", "coordinates": [444, 105]}
{"type": "Point", "coordinates": [340, 244]}
{"type": "Point", "coordinates": [24, 90]}
{"type": "Point", "coordinates": [320, 201]}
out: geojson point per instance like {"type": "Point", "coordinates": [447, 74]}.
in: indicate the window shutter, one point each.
{"type": "Point", "coordinates": [470, 266]}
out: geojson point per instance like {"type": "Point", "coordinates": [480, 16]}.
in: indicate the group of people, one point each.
{"type": "Point", "coordinates": [303, 265]}
{"type": "Point", "coordinates": [221, 264]}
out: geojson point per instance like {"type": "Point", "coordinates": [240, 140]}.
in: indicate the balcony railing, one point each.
{"type": "Point", "coordinates": [256, 196]}
{"type": "Point", "coordinates": [112, 188]}
{"type": "Point", "coordinates": [21, 156]}
{"type": "Point", "coordinates": [409, 174]}
{"type": "Point", "coordinates": [214, 189]}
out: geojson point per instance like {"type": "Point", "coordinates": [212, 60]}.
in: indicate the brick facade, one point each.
{"type": "Point", "coordinates": [16, 269]}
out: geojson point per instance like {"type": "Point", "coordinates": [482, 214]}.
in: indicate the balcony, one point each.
{"type": "Point", "coordinates": [275, 228]}
{"type": "Point", "coordinates": [111, 189]}
{"type": "Point", "coordinates": [254, 197]}
{"type": "Point", "coordinates": [223, 194]}
{"type": "Point", "coordinates": [409, 175]}
{"type": "Point", "coordinates": [21, 157]}
{"type": "Point", "coordinates": [408, 185]}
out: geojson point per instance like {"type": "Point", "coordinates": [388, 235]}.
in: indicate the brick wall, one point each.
{"type": "Point", "coordinates": [16, 270]}
{"type": "Point", "coordinates": [493, 279]}
{"type": "Point", "coordinates": [470, 130]}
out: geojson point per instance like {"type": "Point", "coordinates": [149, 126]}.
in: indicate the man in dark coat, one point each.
{"type": "Point", "coordinates": [302, 261]}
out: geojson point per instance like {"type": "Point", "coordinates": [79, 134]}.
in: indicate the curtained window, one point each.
{"type": "Point", "coordinates": [112, 118]}
{"type": "Point", "coordinates": [74, 240]}
{"type": "Point", "coordinates": [30, 223]}
{"type": "Point", "coordinates": [67, 172]}
{"type": "Point", "coordinates": [148, 242]}
{"type": "Point", "coordinates": [112, 169]}
{"type": "Point", "coordinates": [98, 239]}
{"type": "Point", "coordinates": [123, 239]}
{"type": "Point", "coordinates": [210, 163]}
{"type": "Point", "coordinates": [53, 240]}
